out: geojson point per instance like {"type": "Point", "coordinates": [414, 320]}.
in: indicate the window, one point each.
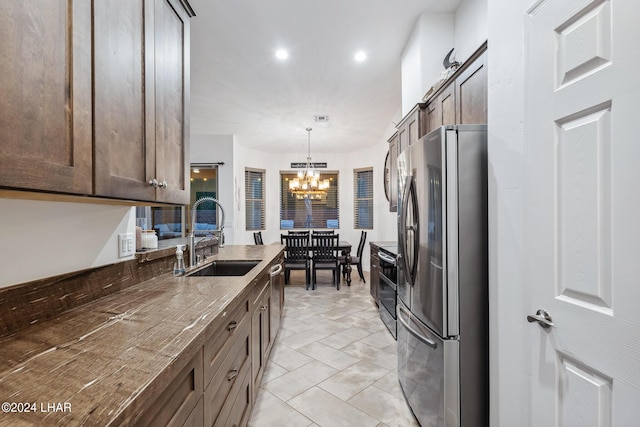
{"type": "Point", "coordinates": [322, 212]}
{"type": "Point", "coordinates": [254, 198]}
{"type": "Point", "coordinates": [363, 198]}
{"type": "Point", "coordinates": [173, 221]}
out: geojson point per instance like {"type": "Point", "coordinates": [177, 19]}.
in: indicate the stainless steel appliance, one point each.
{"type": "Point", "coordinates": [443, 339]}
{"type": "Point", "coordinates": [387, 295]}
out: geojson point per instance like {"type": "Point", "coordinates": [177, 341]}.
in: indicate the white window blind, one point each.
{"type": "Point", "coordinates": [254, 187]}
{"type": "Point", "coordinates": [309, 213]}
{"type": "Point", "coordinates": [363, 198]}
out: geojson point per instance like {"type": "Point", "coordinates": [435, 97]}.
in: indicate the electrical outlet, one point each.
{"type": "Point", "coordinates": [126, 246]}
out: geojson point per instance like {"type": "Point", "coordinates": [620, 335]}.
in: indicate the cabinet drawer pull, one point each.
{"type": "Point", "coordinates": [232, 325]}
{"type": "Point", "coordinates": [232, 374]}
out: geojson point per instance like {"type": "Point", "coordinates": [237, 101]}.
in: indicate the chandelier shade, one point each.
{"type": "Point", "coordinates": [307, 184]}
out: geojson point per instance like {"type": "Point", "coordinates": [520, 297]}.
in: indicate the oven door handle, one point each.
{"type": "Point", "coordinates": [418, 335]}
{"type": "Point", "coordinates": [387, 258]}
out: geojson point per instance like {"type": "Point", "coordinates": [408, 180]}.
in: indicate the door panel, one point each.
{"type": "Point", "coordinates": [421, 225]}
{"type": "Point", "coordinates": [172, 100]}
{"type": "Point", "coordinates": [125, 150]}
{"type": "Point", "coordinates": [45, 107]}
{"type": "Point", "coordinates": [581, 222]}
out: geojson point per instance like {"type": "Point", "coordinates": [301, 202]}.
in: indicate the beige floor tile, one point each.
{"type": "Point", "coordinates": [352, 380]}
{"type": "Point", "coordinates": [326, 354]}
{"type": "Point", "coordinates": [286, 357]}
{"type": "Point", "coordinates": [381, 357]}
{"type": "Point", "coordinates": [383, 406]}
{"type": "Point", "coordinates": [344, 338]}
{"type": "Point", "coordinates": [269, 411]}
{"type": "Point", "coordinates": [272, 371]}
{"type": "Point", "coordinates": [299, 380]}
{"type": "Point", "coordinates": [327, 410]}
{"type": "Point", "coordinates": [381, 339]}
{"type": "Point", "coordinates": [307, 337]}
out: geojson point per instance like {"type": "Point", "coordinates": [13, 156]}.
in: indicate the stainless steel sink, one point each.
{"type": "Point", "coordinates": [226, 268]}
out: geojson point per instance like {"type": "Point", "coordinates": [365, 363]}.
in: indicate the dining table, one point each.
{"type": "Point", "coordinates": [344, 247]}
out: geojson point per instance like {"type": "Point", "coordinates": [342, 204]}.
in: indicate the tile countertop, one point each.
{"type": "Point", "coordinates": [390, 246]}
{"type": "Point", "coordinates": [105, 362]}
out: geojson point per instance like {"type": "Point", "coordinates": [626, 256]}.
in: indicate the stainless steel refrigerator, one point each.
{"type": "Point", "coordinates": [442, 312]}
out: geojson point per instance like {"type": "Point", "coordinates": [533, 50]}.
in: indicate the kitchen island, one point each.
{"type": "Point", "coordinates": [130, 357]}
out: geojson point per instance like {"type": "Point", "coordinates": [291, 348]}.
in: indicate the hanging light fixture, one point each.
{"type": "Point", "coordinates": [307, 185]}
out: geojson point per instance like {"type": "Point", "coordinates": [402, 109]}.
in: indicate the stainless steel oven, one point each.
{"type": "Point", "coordinates": [387, 289]}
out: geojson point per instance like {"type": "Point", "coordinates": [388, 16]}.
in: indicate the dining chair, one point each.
{"type": "Point", "coordinates": [257, 238]}
{"type": "Point", "coordinates": [355, 260]}
{"type": "Point", "coordinates": [323, 232]}
{"type": "Point", "coordinates": [324, 249]}
{"type": "Point", "coordinates": [299, 232]}
{"type": "Point", "coordinates": [296, 256]}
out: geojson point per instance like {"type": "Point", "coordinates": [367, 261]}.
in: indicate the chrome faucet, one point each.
{"type": "Point", "coordinates": [191, 237]}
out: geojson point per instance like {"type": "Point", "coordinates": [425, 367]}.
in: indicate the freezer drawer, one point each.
{"type": "Point", "coordinates": [428, 371]}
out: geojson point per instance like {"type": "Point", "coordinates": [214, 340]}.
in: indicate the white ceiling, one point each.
{"type": "Point", "coordinates": [239, 88]}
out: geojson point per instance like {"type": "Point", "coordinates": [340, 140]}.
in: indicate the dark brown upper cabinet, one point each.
{"type": "Point", "coordinates": [99, 98]}
{"type": "Point", "coordinates": [45, 107]}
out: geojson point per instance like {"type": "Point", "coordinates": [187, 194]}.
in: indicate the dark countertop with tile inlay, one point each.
{"type": "Point", "coordinates": [390, 246]}
{"type": "Point", "coordinates": [109, 359]}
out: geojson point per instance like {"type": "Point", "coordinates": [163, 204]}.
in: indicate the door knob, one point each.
{"type": "Point", "coordinates": [543, 318]}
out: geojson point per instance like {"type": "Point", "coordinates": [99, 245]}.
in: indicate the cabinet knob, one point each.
{"type": "Point", "coordinates": [163, 184]}
{"type": "Point", "coordinates": [154, 183]}
{"type": "Point", "coordinates": [263, 308]}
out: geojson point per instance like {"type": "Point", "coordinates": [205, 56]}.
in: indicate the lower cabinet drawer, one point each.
{"type": "Point", "coordinates": [218, 344]}
{"type": "Point", "coordinates": [197, 415]}
{"type": "Point", "coordinates": [236, 412]}
{"type": "Point", "coordinates": [236, 364]}
{"type": "Point", "coordinates": [176, 403]}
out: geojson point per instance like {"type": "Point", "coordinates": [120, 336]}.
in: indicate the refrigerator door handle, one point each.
{"type": "Point", "coordinates": [402, 231]}
{"type": "Point", "coordinates": [418, 335]}
{"type": "Point", "coordinates": [409, 196]}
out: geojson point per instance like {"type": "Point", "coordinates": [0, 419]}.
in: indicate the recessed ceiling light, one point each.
{"type": "Point", "coordinates": [282, 54]}
{"type": "Point", "coordinates": [360, 56]}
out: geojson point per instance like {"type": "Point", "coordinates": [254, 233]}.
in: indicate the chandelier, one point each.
{"type": "Point", "coordinates": [307, 185]}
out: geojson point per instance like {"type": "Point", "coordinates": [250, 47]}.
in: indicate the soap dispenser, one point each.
{"type": "Point", "coordinates": [178, 266]}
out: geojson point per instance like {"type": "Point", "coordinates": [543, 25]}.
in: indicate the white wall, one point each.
{"type": "Point", "coordinates": [431, 38]}
{"type": "Point", "coordinates": [509, 401]}
{"type": "Point", "coordinates": [42, 239]}
{"type": "Point", "coordinates": [213, 149]}
{"type": "Point", "coordinates": [433, 35]}
{"type": "Point", "coordinates": [471, 27]}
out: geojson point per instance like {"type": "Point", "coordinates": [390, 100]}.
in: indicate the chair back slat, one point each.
{"type": "Point", "coordinates": [325, 247]}
{"type": "Point", "coordinates": [297, 247]}
{"type": "Point", "coordinates": [363, 239]}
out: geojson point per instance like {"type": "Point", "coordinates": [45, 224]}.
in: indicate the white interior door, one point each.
{"type": "Point", "coordinates": [582, 242]}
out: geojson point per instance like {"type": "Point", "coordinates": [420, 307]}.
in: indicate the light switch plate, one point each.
{"type": "Point", "coordinates": [126, 246]}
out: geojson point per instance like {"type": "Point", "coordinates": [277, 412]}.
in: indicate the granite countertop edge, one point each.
{"type": "Point", "coordinates": [110, 359]}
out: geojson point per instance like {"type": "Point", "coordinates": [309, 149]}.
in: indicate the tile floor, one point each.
{"type": "Point", "coordinates": [333, 362]}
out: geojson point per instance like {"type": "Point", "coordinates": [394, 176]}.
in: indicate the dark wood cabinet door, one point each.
{"type": "Point", "coordinates": [432, 116]}
{"type": "Point", "coordinates": [447, 106]}
{"type": "Point", "coordinates": [171, 71]}
{"type": "Point", "coordinates": [124, 144]}
{"type": "Point", "coordinates": [374, 273]}
{"type": "Point", "coordinates": [471, 93]}
{"type": "Point", "coordinates": [45, 107]}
